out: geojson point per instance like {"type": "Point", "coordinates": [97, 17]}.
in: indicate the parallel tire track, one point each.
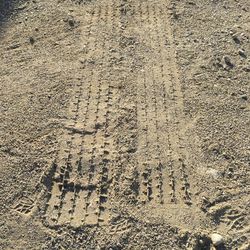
{"type": "Point", "coordinates": [161, 154]}
{"type": "Point", "coordinates": [144, 106]}
{"type": "Point", "coordinates": [80, 183]}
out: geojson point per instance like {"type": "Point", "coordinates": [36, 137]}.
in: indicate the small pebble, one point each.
{"type": "Point", "coordinates": [71, 22]}
{"type": "Point", "coordinates": [217, 239]}
{"type": "Point", "coordinates": [236, 39]}
{"type": "Point", "coordinates": [32, 40]}
{"type": "Point", "coordinates": [242, 53]}
{"type": "Point", "coordinates": [244, 97]}
{"type": "Point", "coordinates": [228, 62]}
{"type": "Point", "coordinates": [246, 69]}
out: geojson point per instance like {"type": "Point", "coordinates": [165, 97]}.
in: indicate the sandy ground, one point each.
{"type": "Point", "coordinates": [124, 124]}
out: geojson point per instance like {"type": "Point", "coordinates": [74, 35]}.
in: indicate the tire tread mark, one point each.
{"type": "Point", "coordinates": [177, 98]}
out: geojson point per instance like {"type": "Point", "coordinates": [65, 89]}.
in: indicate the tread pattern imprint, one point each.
{"type": "Point", "coordinates": [156, 161]}
{"type": "Point", "coordinates": [123, 131]}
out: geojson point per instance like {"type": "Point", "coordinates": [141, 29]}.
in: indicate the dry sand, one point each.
{"type": "Point", "coordinates": [124, 124]}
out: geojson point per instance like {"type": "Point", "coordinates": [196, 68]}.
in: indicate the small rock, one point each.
{"type": "Point", "coordinates": [83, 61]}
{"type": "Point", "coordinates": [246, 69]}
{"type": "Point", "coordinates": [32, 40]}
{"type": "Point", "coordinates": [236, 39]}
{"type": "Point", "coordinates": [242, 107]}
{"type": "Point", "coordinates": [14, 46]}
{"type": "Point", "coordinates": [228, 62]}
{"type": "Point", "coordinates": [243, 97]}
{"type": "Point", "coordinates": [217, 239]}
{"type": "Point", "coordinates": [213, 173]}
{"type": "Point", "coordinates": [242, 53]}
{"type": "Point", "coordinates": [71, 22]}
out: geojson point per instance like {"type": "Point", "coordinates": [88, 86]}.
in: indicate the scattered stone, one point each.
{"type": "Point", "coordinates": [216, 239]}
{"type": "Point", "coordinates": [175, 15]}
{"type": "Point", "coordinates": [32, 40]}
{"type": "Point", "coordinates": [83, 61]}
{"type": "Point", "coordinates": [242, 107]}
{"type": "Point", "coordinates": [236, 39]}
{"type": "Point", "coordinates": [228, 61]}
{"type": "Point", "coordinates": [246, 69]}
{"type": "Point", "coordinates": [14, 46]}
{"type": "Point", "coordinates": [242, 53]}
{"type": "Point", "coordinates": [213, 173]}
{"type": "Point", "coordinates": [243, 97]}
{"type": "Point", "coordinates": [71, 22]}
{"type": "Point", "coordinates": [21, 7]}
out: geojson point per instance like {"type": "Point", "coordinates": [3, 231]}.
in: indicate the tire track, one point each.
{"type": "Point", "coordinates": [161, 155]}
{"type": "Point", "coordinates": [152, 159]}
{"type": "Point", "coordinates": [56, 202]}
{"type": "Point", "coordinates": [80, 184]}
{"type": "Point", "coordinates": [178, 117]}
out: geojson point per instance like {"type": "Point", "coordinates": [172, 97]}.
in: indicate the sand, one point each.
{"type": "Point", "coordinates": [124, 124]}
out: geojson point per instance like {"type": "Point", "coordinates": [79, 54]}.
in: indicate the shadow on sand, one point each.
{"type": "Point", "coordinates": [6, 9]}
